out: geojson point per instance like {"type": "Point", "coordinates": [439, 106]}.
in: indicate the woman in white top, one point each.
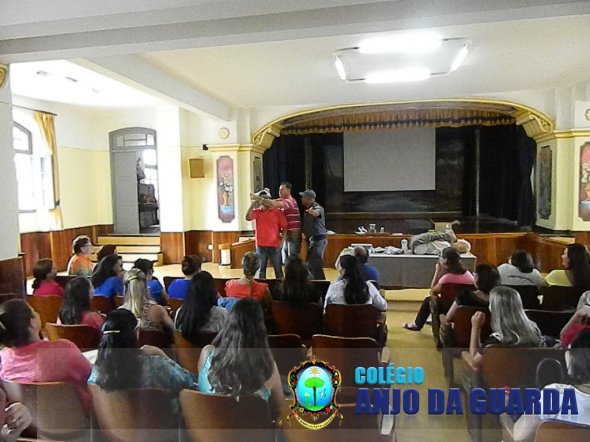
{"type": "Point", "coordinates": [352, 288]}
{"type": "Point", "coordinates": [520, 270]}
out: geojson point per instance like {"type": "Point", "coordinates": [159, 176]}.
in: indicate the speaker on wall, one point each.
{"type": "Point", "coordinates": [196, 167]}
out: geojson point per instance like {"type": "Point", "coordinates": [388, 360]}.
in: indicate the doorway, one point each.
{"type": "Point", "coordinates": [134, 178]}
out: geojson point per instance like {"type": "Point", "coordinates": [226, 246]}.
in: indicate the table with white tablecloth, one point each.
{"type": "Point", "coordinates": [415, 271]}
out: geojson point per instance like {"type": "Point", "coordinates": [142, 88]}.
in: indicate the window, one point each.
{"type": "Point", "coordinates": [34, 172]}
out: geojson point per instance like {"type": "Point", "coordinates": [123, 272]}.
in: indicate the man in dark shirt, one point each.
{"type": "Point", "coordinates": [315, 233]}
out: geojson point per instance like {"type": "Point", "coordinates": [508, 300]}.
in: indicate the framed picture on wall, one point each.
{"type": "Point", "coordinates": [584, 186]}
{"type": "Point", "coordinates": [257, 174]}
{"type": "Point", "coordinates": [544, 166]}
{"type": "Point", "coordinates": [225, 189]}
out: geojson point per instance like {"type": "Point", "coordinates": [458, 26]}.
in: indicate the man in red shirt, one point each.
{"type": "Point", "coordinates": [271, 226]}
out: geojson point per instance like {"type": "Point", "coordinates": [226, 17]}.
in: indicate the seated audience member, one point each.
{"type": "Point", "coordinates": [576, 273]}
{"type": "Point", "coordinates": [520, 270]}
{"type": "Point", "coordinates": [28, 358]}
{"type": "Point", "coordinates": [121, 365]}
{"type": "Point", "coordinates": [578, 368]}
{"type": "Point", "coordinates": [44, 284]}
{"type": "Point", "coordinates": [151, 316]}
{"type": "Point", "coordinates": [246, 286]}
{"type": "Point", "coordinates": [80, 263]}
{"type": "Point", "coordinates": [155, 288]}
{"type": "Point", "coordinates": [580, 320]}
{"type": "Point", "coordinates": [107, 277]}
{"type": "Point", "coordinates": [352, 288]}
{"type": "Point", "coordinates": [106, 250]}
{"type": "Point", "coordinates": [295, 288]}
{"type": "Point", "coordinates": [199, 312]}
{"type": "Point", "coordinates": [370, 273]}
{"type": "Point", "coordinates": [75, 308]}
{"type": "Point", "coordinates": [486, 279]}
{"type": "Point", "coordinates": [509, 323]}
{"type": "Point", "coordinates": [239, 362]}
{"type": "Point", "coordinates": [448, 270]}
{"type": "Point", "coordinates": [14, 419]}
{"type": "Point", "coordinates": [434, 243]}
{"type": "Point", "coordinates": [191, 265]}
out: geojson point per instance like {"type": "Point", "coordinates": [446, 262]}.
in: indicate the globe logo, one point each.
{"type": "Point", "coordinates": [314, 385]}
{"type": "Point", "coordinates": [314, 389]}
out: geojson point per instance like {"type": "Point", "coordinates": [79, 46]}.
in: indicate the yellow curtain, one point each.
{"type": "Point", "coordinates": [46, 123]}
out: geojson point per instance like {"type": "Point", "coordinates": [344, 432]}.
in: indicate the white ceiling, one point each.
{"type": "Point", "coordinates": [215, 55]}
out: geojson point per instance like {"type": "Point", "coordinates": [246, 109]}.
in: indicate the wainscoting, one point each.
{"type": "Point", "coordinates": [12, 277]}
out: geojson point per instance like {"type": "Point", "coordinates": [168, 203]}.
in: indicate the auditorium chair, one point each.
{"type": "Point", "coordinates": [8, 296]}
{"type": "Point", "coordinates": [529, 295]}
{"type": "Point", "coordinates": [139, 415]}
{"type": "Point", "coordinates": [156, 338]}
{"type": "Point", "coordinates": [348, 353]}
{"type": "Point", "coordinates": [102, 304]}
{"type": "Point", "coordinates": [119, 301]}
{"type": "Point", "coordinates": [187, 353]}
{"type": "Point", "coordinates": [220, 285]}
{"type": "Point", "coordinates": [63, 280]}
{"type": "Point", "coordinates": [456, 336]}
{"type": "Point", "coordinates": [47, 307]}
{"type": "Point", "coordinates": [305, 321]}
{"type": "Point", "coordinates": [355, 321]}
{"type": "Point", "coordinates": [174, 304]}
{"type": "Point", "coordinates": [168, 280]}
{"type": "Point", "coordinates": [288, 351]}
{"type": "Point", "coordinates": [55, 408]}
{"type": "Point", "coordinates": [84, 336]}
{"type": "Point", "coordinates": [444, 300]}
{"type": "Point", "coordinates": [549, 322]}
{"type": "Point", "coordinates": [219, 418]}
{"type": "Point", "coordinates": [559, 298]}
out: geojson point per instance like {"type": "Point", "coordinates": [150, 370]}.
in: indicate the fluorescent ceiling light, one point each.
{"type": "Point", "coordinates": [340, 69]}
{"type": "Point", "coordinates": [415, 42]}
{"type": "Point", "coordinates": [397, 76]}
{"type": "Point", "coordinates": [460, 57]}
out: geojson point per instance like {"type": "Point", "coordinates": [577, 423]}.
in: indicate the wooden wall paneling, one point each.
{"type": "Point", "coordinates": [196, 242]}
{"type": "Point", "coordinates": [172, 244]}
{"type": "Point", "coordinates": [12, 278]}
{"type": "Point", "coordinates": [34, 245]}
{"type": "Point", "coordinates": [547, 252]}
{"type": "Point", "coordinates": [238, 250]}
{"type": "Point", "coordinates": [222, 238]}
{"type": "Point", "coordinates": [583, 238]}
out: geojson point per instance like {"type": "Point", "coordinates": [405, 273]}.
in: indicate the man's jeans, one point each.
{"type": "Point", "coordinates": [315, 258]}
{"type": "Point", "coordinates": [274, 255]}
{"type": "Point", "coordinates": [292, 246]}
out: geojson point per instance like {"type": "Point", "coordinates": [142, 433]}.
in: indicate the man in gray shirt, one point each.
{"type": "Point", "coordinates": [315, 233]}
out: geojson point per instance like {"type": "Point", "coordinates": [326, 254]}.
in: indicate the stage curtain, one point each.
{"type": "Point", "coordinates": [397, 119]}
{"type": "Point", "coordinates": [526, 156]}
{"type": "Point", "coordinates": [46, 123]}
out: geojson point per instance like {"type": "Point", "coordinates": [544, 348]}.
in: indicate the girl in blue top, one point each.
{"type": "Point", "coordinates": [191, 265]}
{"type": "Point", "coordinates": [107, 277]}
{"type": "Point", "coordinates": [155, 288]}
{"type": "Point", "coordinates": [239, 362]}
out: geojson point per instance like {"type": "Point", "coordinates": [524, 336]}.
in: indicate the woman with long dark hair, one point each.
{"type": "Point", "coordinates": [107, 277]}
{"type": "Point", "coordinates": [75, 308]}
{"type": "Point", "coordinates": [576, 273]}
{"type": "Point", "coordinates": [520, 270]}
{"type": "Point", "coordinates": [121, 365]}
{"type": "Point", "coordinates": [44, 284]}
{"type": "Point", "coordinates": [295, 289]}
{"type": "Point", "coordinates": [239, 362]}
{"type": "Point", "coordinates": [199, 312]}
{"type": "Point", "coordinates": [352, 287]}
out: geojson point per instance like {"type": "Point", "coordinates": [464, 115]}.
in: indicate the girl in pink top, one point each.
{"type": "Point", "coordinates": [44, 283]}
{"type": "Point", "coordinates": [27, 358]}
{"type": "Point", "coordinates": [75, 308]}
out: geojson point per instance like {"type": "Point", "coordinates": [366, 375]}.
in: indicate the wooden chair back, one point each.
{"type": "Point", "coordinates": [462, 325]}
{"type": "Point", "coordinates": [559, 431]}
{"type": "Point", "coordinates": [144, 414]}
{"type": "Point", "coordinates": [168, 280]}
{"type": "Point", "coordinates": [515, 366]}
{"type": "Point", "coordinates": [558, 298]}
{"type": "Point", "coordinates": [55, 408]}
{"type": "Point", "coordinates": [529, 295]}
{"type": "Point", "coordinates": [156, 338]}
{"type": "Point", "coordinates": [187, 353]}
{"type": "Point", "coordinates": [102, 304]}
{"type": "Point", "coordinates": [272, 283]}
{"type": "Point", "coordinates": [305, 321]}
{"type": "Point", "coordinates": [217, 418]}
{"type": "Point", "coordinates": [47, 307]}
{"type": "Point", "coordinates": [119, 301]}
{"type": "Point", "coordinates": [63, 280]}
{"type": "Point", "coordinates": [549, 322]}
{"type": "Point", "coordinates": [8, 296]}
{"type": "Point", "coordinates": [174, 304]}
{"type": "Point", "coordinates": [220, 285]}
{"type": "Point", "coordinates": [447, 295]}
{"type": "Point", "coordinates": [321, 285]}
{"type": "Point", "coordinates": [346, 354]}
{"type": "Point", "coordinates": [353, 321]}
{"type": "Point", "coordinates": [288, 351]}
{"type": "Point", "coordinates": [84, 336]}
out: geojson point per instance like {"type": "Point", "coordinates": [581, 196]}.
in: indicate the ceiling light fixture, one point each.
{"type": "Point", "coordinates": [409, 57]}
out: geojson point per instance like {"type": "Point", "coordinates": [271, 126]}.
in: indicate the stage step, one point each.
{"type": "Point", "coordinates": [133, 247]}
